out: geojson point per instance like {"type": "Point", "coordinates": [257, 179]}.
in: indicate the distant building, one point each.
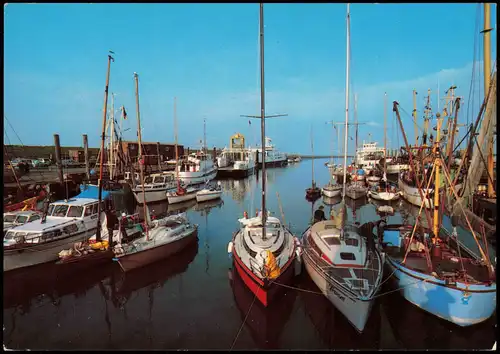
{"type": "Point", "coordinates": [151, 151]}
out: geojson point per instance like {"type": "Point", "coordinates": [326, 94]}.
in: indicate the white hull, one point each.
{"type": "Point", "coordinates": [384, 196]}
{"type": "Point", "coordinates": [331, 193]}
{"type": "Point", "coordinates": [356, 193]}
{"type": "Point", "coordinates": [197, 177]}
{"type": "Point", "coordinates": [372, 180]}
{"type": "Point", "coordinates": [42, 253]}
{"type": "Point", "coordinates": [395, 169]}
{"type": "Point", "coordinates": [173, 199]}
{"type": "Point", "coordinates": [412, 195]}
{"type": "Point", "coordinates": [356, 311]}
{"type": "Point", "coordinates": [152, 195]}
{"type": "Point", "coordinates": [203, 197]}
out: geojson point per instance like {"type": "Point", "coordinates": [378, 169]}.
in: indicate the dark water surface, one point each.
{"type": "Point", "coordinates": [194, 301]}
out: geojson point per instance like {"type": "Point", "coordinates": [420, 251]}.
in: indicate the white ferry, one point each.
{"type": "Point", "coordinates": [237, 161]}
{"type": "Point", "coordinates": [369, 155]}
{"type": "Point", "coordinates": [273, 156]}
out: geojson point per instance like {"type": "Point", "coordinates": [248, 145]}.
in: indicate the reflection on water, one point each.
{"type": "Point", "coordinates": [187, 301]}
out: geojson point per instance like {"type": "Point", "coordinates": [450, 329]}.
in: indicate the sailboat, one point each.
{"type": "Point", "coordinates": [344, 266]}
{"type": "Point", "coordinates": [181, 194]}
{"type": "Point", "coordinates": [434, 269]}
{"type": "Point", "coordinates": [384, 191]}
{"type": "Point", "coordinates": [161, 238]}
{"type": "Point", "coordinates": [264, 250]}
{"type": "Point", "coordinates": [313, 192]}
{"type": "Point", "coordinates": [332, 189]}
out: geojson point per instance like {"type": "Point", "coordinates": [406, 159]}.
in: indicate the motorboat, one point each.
{"type": "Point", "coordinates": [208, 193]}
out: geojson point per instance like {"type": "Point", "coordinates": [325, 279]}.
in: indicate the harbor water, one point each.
{"type": "Point", "coordinates": [195, 301]}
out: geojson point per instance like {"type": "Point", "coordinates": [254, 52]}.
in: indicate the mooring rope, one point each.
{"type": "Point", "coordinates": [245, 319]}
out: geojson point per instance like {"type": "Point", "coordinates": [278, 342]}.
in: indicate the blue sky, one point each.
{"type": "Point", "coordinates": [207, 55]}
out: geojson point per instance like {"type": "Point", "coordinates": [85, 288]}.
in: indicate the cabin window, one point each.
{"type": "Point", "coordinates": [9, 235]}
{"type": "Point", "coordinates": [332, 241]}
{"type": "Point", "coordinates": [347, 256]}
{"type": "Point", "coordinates": [352, 242]}
{"type": "Point", "coordinates": [51, 209]}
{"type": "Point", "coordinates": [75, 211]}
{"type": "Point", "coordinates": [70, 229]}
{"type": "Point", "coordinates": [88, 210]}
{"type": "Point", "coordinates": [34, 217]}
{"type": "Point", "coordinates": [148, 180]}
{"type": "Point", "coordinates": [94, 208]}
{"type": "Point", "coordinates": [9, 218]}
{"type": "Point", "coordinates": [20, 236]}
{"type": "Point", "coordinates": [60, 210]}
{"type": "Point", "coordinates": [21, 219]}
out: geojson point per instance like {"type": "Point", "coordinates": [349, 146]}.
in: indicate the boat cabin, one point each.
{"type": "Point", "coordinates": [159, 180]}
{"type": "Point", "coordinates": [13, 219]}
{"type": "Point", "coordinates": [348, 250]}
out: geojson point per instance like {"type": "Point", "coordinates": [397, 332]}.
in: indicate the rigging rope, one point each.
{"type": "Point", "coordinates": [475, 50]}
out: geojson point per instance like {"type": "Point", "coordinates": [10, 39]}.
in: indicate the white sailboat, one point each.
{"type": "Point", "coordinates": [385, 191]}
{"type": "Point", "coordinates": [181, 194]}
{"type": "Point", "coordinates": [333, 188]}
{"type": "Point", "coordinates": [345, 267]}
{"type": "Point", "coordinates": [161, 238]}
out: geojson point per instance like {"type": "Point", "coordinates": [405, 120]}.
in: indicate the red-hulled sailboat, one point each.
{"type": "Point", "coordinates": [263, 249]}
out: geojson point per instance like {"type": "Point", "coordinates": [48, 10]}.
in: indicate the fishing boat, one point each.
{"type": "Point", "coordinates": [210, 192]}
{"type": "Point", "coordinates": [434, 269]}
{"type": "Point", "coordinates": [344, 265]}
{"type": "Point", "coordinates": [263, 249]}
{"type": "Point", "coordinates": [161, 238]}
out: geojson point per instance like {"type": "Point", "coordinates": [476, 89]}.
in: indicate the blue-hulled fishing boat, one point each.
{"type": "Point", "coordinates": [433, 269]}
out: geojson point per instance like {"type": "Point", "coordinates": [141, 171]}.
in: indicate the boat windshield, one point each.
{"type": "Point", "coordinates": [60, 210]}
{"type": "Point", "coordinates": [148, 180]}
{"type": "Point", "coordinates": [9, 218]}
{"type": "Point", "coordinates": [158, 179]}
{"type": "Point", "coordinates": [75, 211]}
{"type": "Point", "coordinates": [21, 219]}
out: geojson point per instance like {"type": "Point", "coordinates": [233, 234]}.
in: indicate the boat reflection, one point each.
{"type": "Point", "coordinates": [264, 324]}
{"type": "Point", "coordinates": [50, 281]}
{"type": "Point", "coordinates": [154, 275]}
{"type": "Point", "coordinates": [205, 207]}
{"type": "Point", "coordinates": [331, 201]}
{"type": "Point", "coordinates": [332, 327]}
{"type": "Point", "coordinates": [238, 188]}
{"type": "Point", "coordinates": [417, 329]}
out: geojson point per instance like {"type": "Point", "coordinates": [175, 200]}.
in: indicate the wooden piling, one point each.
{"type": "Point", "coordinates": [58, 158]}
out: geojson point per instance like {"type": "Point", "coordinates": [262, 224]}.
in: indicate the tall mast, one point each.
{"type": "Point", "coordinates": [346, 105]}
{"type": "Point", "coordinates": [140, 157]}
{"type": "Point", "coordinates": [101, 160]}
{"type": "Point", "coordinates": [437, 164]}
{"type": "Point", "coordinates": [415, 127]}
{"type": "Point", "coordinates": [427, 117]}
{"type": "Point", "coordinates": [356, 124]}
{"type": "Point", "coordinates": [175, 138]}
{"type": "Point", "coordinates": [312, 158]}
{"type": "Point", "coordinates": [112, 149]}
{"type": "Point", "coordinates": [487, 76]}
{"type": "Point", "coordinates": [204, 135]}
{"type": "Point", "coordinates": [385, 135]}
{"type": "Point", "coordinates": [263, 120]}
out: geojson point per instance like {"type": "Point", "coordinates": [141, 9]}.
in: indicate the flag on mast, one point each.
{"type": "Point", "coordinates": [124, 112]}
